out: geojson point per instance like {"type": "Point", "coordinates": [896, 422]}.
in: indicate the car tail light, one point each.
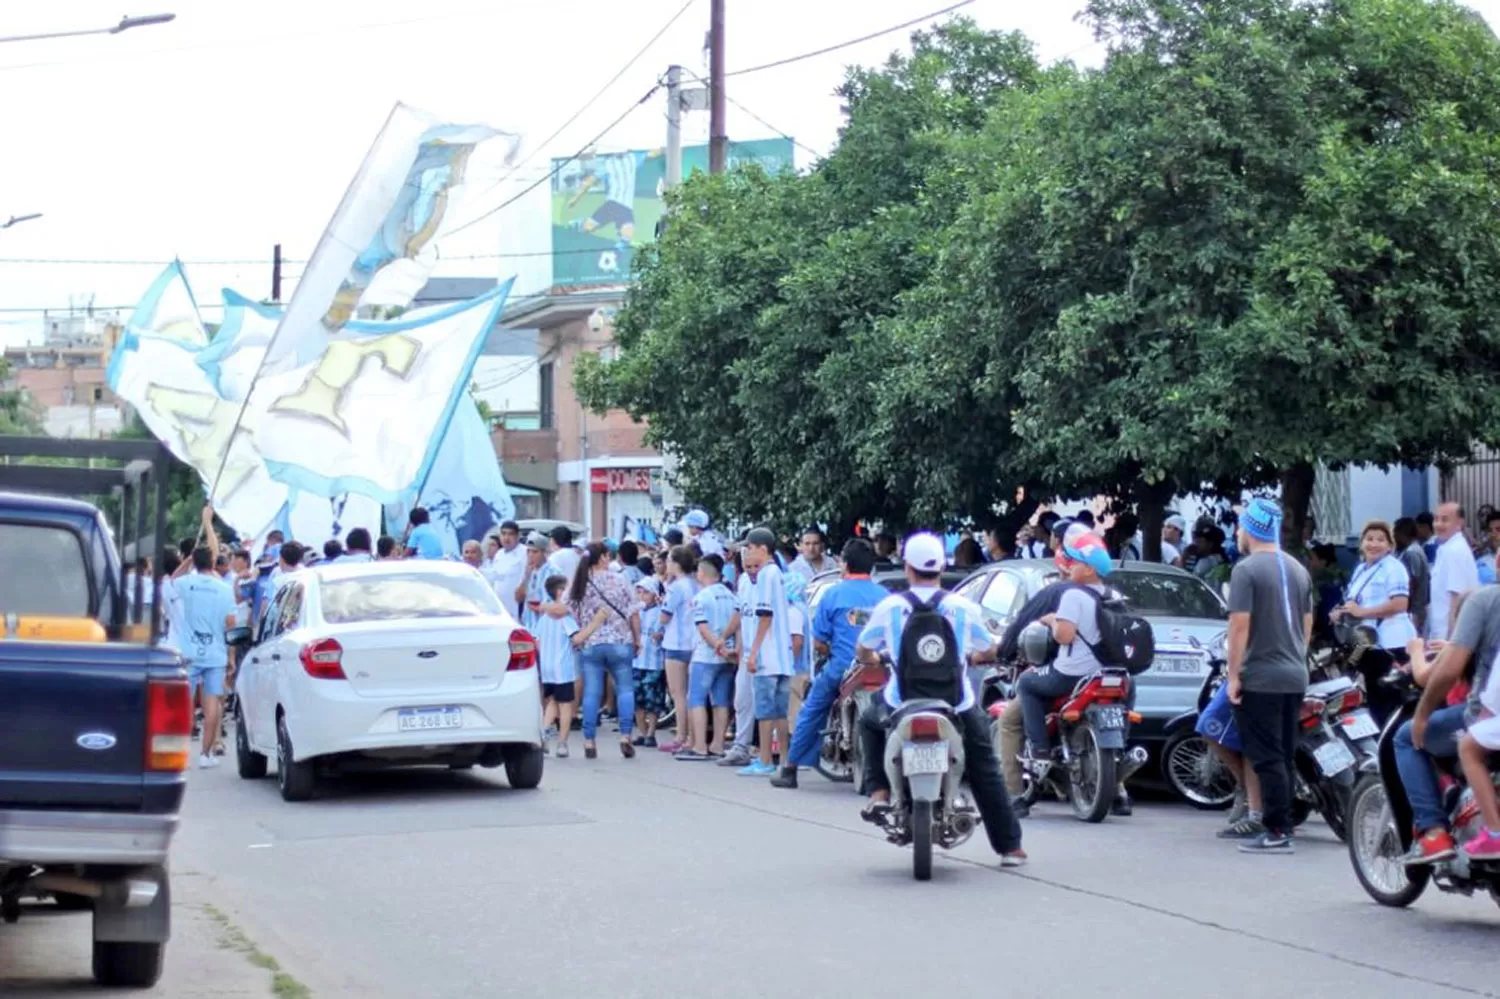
{"type": "Point", "coordinates": [926, 728]}
{"type": "Point", "coordinates": [522, 651]}
{"type": "Point", "coordinates": [323, 659]}
{"type": "Point", "coordinates": [169, 724]}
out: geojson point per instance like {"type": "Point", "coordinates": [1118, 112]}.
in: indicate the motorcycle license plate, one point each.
{"type": "Point", "coordinates": [1111, 716]}
{"type": "Point", "coordinates": [1359, 724]}
{"type": "Point", "coordinates": [924, 758]}
{"type": "Point", "coordinates": [1333, 758]}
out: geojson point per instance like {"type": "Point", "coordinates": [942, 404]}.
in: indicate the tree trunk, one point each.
{"type": "Point", "coordinates": [1296, 497]}
{"type": "Point", "coordinates": [1151, 508]}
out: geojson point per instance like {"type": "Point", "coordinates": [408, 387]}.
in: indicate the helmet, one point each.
{"type": "Point", "coordinates": [1036, 644]}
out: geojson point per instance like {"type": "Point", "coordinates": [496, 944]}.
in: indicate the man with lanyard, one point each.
{"type": "Point", "coordinates": [842, 614]}
{"type": "Point", "coordinates": [925, 557]}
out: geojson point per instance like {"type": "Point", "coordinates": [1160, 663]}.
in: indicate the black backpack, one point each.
{"type": "Point", "coordinates": [1125, 640]}
{"type": "Point", "coordinates": [928, 663]}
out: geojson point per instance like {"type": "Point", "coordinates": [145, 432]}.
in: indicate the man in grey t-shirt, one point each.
{"type": "Point", "coordinates": [1270, 620]}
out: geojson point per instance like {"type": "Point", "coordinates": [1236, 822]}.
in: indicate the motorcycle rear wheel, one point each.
{"type": "Point", "coordinates": [1091, 787]}
{"type": "Point", "coordinates": [1195, 774]}
{"type": "Point", "coordinates": [1375, 848]}
{"type": "Point", "coordinates": [840, 771]}
{"type": "Point", "coordinates": [921, 840]}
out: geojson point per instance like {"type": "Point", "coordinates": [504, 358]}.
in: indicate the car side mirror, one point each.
{"type": "Point", "coordinates": [237, 637]}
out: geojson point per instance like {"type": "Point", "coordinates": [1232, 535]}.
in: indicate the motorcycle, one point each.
{"type": "Point", "coordinates": [924, 761]}
{"type": "Point", "coordinates": [1188, 763]}
{"type": "Point", "coordinates": [840, 758]}
{"type": "Point", "coordinates": [1336, 736]}
{"type": "Point", "coordinates": [1380, 826]}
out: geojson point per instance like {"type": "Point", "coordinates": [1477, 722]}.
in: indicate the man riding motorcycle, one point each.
{"type": "Point", "coordinates": [842, 614]}
{"type": "Point", "coordinates": [925, 557]}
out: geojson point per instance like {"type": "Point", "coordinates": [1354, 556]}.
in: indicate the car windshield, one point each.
{"type": "Point", "coordinates": [406, 595]}
{"type": "Point", "coordinates": [45, 571]}
{"type": "Point", "coordinates": [1165, 594]}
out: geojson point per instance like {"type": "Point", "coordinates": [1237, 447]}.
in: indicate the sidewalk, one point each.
{"type": "Point", "coordinates": [47, 954]}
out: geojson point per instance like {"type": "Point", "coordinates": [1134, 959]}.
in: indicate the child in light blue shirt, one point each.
{"type": "Point", "coordinates": [558, 662]}
{"type": "Point", "coordinates": [650, 685]}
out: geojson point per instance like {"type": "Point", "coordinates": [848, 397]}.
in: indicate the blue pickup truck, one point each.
{"type": "Point", "coordinates": [95, 718]}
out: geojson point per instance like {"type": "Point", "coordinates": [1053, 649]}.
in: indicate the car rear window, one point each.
{"type": "Point", "coordinates": [405, 595]}
{"type": "Point", "coordinates": [1168, 595]}
{"type": "Point", "coordinates": [46, 571]}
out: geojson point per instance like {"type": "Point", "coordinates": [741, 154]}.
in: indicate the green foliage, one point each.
{"type": "Point", "coordinates": [17, 415]}
{"type": "Point", "coordinates": [185, 494]}
{"type": "Point", "coordinates": [1261, 235]}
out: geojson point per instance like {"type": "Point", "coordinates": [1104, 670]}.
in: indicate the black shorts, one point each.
{"type": "Point", "coordinates": [562, 693]}
{"type": "Point", "coordinates": [614, 212]}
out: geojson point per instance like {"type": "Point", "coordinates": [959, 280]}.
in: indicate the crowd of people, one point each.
{"type": "Point", "coordinates": [725, 632]}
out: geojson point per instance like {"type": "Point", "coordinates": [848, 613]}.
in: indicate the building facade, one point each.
{"type": "Point", "coordinates": [63, 376]}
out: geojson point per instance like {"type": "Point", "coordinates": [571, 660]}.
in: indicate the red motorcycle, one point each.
{"type": "Point", "coordinates": [839, 754]}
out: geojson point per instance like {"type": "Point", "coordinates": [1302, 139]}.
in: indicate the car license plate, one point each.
{"type": "Point", "coordinates": [1111, 716]}
{"type": "Point", "coordinates": [1359, 725]}
{"type": "Point", "coordinates": [1189, 665]}
{"type": "Point", "coordinates": [427, 719]}
{"type": "Point", "coordinates": [919, 758]}
{"type": "Point", "coordinates": [1333, 758]}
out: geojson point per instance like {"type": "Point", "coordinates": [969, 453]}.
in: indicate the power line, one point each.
{"type": "Point", "coordinates": [592, 100]}
{"type": "Point", "coordinates": [785, 135]}
{"type": "Point", "coordinates": [853, 41]}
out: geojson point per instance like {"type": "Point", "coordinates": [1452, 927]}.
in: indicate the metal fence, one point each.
{"type": "Point", "coordinates": [1475, 482]}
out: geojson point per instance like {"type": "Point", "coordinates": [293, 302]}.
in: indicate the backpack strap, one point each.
{"type": "Point", "coordinates": [918, 604]}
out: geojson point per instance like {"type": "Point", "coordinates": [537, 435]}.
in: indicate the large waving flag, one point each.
{"type": "Point", "coordinates": [464, 491]}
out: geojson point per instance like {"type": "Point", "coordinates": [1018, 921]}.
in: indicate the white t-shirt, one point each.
{"type": "Point", "coordinates": [171, 614]}
{"type": "Point", "coordinates": [1453, 572]}
{"type": "Point", "coordinates": [506, 571]}
{"type": "Point", "coordinates": [774, 657]}
{"type": "Point", "coordinates": [1082, 611]}
{"type": "Point", "coordinates": [1373, 585]}
{"type": "Point", "coordinates": [1169, 553]}
{"type": "Point", "coordinates": [564, 562]}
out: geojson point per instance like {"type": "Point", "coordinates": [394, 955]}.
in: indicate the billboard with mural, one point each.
{"type": "Point", "coordinates": [606, 205]}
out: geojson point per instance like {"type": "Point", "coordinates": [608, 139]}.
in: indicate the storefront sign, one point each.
{"type": "Point", "coordinates": [620, 480]}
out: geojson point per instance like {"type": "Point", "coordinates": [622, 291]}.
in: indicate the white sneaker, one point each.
{"type": "Point", "coordinates": [207, 762]}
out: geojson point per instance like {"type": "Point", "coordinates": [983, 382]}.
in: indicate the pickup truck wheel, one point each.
{"type": "Point", "coordinates": [127, 965]}
{"type": "Point", "coordinates": [298, 781]}
{"type": "Point", "coordinates": [523, 766]}
{"type": "Point", "coordinates": [252, 765]}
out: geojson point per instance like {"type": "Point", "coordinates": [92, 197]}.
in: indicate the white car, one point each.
{"type": "Point", "coordinates": [387, 664]}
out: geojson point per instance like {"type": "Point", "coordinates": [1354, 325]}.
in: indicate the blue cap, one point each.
{"type": "Point", "coordinates": [696, 518]}
{"type": "Point", "coordinates": [612, 545]}
{"type": "Point", "coordinates": [1262, 520]}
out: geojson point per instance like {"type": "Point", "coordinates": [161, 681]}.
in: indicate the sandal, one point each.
{"type": "Point", "coordinates": [590, 751]}
{"type": "Point", "coordinates": [626, 749]}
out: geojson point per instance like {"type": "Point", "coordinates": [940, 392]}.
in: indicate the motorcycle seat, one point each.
{"type": "Point", "coordinates": [921, 704]}
{"type": "Point", "coordinates": [1327, 690]}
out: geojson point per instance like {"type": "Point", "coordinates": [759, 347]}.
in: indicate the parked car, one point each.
{"type": "Point", "coordinates": [1180, 607]}
{"type": "Point", "coordinates": [893, 579]}
{"type": "Point", "coordinates": [95, 722]}
{"type": "Point", "coordinates": [387, 664]}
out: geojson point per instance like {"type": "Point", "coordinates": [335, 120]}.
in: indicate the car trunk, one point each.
{"type": "Point", "coordinates": [73, 718]}
{"type": "Point", "coordinates": [441, 657]}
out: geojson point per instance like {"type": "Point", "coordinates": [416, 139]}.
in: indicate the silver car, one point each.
{"type": "Point", "coordinates": [1180, 607]}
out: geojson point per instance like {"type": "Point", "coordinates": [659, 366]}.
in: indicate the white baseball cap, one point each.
{"type": "Point", "coordinates": [650, 584]}
{"type": "Point", "coordinates": [925, 553]}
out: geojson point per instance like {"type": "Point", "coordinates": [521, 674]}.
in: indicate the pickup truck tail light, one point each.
{"type": "Point", "coordinates": [522, 651]}
{"type": "Point", "coordinates": [323, 659]}
{"type": "Point", "coordinates": [169, 725]}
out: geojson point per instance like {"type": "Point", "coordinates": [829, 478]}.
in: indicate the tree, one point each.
{"type": "Point", "coordinates": [753, 340]}
{"type": "Point", "coordinates": [185, 494]}
{"type": "Point", "coordinates": [17, 413]}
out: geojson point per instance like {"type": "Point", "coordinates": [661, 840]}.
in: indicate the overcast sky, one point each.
{"type": "Point", "coordinates": [239, 125]}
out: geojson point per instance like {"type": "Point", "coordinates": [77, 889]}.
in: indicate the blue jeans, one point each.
{"type": "Point", "coordinates": [814, 715]}
{"type": "Point", "coordinates": [618, 660]}
{"type": "Point", "coordinates": [1417, 775]}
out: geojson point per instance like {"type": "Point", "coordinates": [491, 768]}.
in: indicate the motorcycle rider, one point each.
{"type": "Point", "coordinates": [1434, 731]}
{"type": "Point", "coordinates": [842, 614]}
{"type": "Point", "coordinates": [1075, 627]}
{"type": "Point", "coordinates": [924, 556]}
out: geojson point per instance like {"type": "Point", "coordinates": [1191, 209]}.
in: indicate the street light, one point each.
{"type": "Point", "coordinates": [15, 219]}
{"type": "Point", "coordinates": [126, 23]}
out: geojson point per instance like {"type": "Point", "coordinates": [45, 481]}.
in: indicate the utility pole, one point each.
{"type": "Point", "coordinates": [276, 274]}
{"type": "Point", "coordinates": [718, 138]}
{"type": "Point", "coordinates": [674, 126]}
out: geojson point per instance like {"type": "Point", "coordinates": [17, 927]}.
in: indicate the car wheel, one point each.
{"type": "Point", "coordinates": [523, 766]}
{"type": "Point", "coordinates": [127, 965]}
{"type": "Point", "coordinates": [297, 781]}
{"type": "Point", "coordinates": [251, 765]}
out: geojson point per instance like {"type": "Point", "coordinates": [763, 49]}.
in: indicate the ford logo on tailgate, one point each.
{"type": "Point", "coordinates": [96, 740]}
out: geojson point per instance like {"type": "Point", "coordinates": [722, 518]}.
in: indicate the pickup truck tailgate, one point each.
{"type": "Point", "coordinates": [73, 723]}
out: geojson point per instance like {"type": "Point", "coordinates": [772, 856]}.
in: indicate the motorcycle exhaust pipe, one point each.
{"type": "Point", "coordinates": [1135, 758]}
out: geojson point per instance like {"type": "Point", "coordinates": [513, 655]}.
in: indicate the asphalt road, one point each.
{"type": "Point", "coordinates": [648, 877]}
